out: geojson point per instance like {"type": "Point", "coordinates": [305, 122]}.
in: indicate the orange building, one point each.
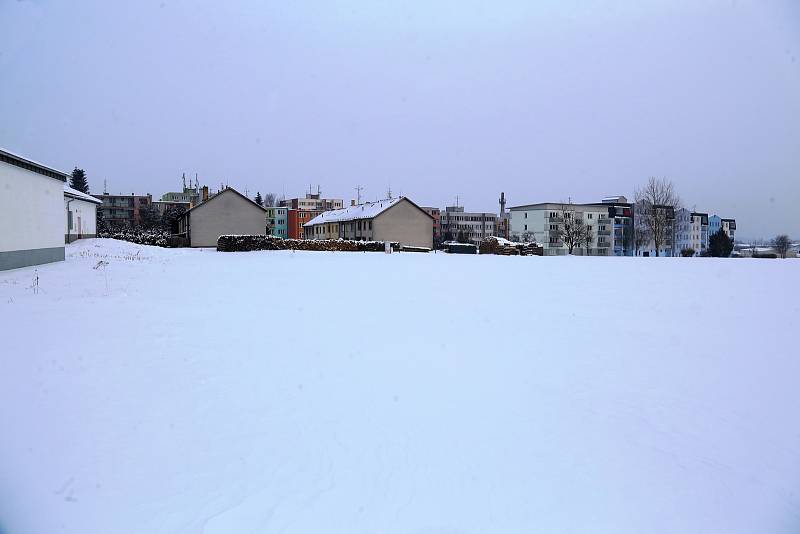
{"type": "Point", "coordinates": [296, 218]}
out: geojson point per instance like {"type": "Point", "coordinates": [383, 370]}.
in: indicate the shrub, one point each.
{"type": "Point", "coordinates": [155, 238]}
{"type": "Point", "coordinates": [246, 243]}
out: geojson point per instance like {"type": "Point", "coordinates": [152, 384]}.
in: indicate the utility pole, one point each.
{"type": "Point", "coordinates": [359, 188]}
{"type": "Point", "coordinates": [389, 192]}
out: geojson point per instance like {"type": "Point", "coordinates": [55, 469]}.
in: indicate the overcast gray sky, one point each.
{"type": "Point", "coordinates": [542, 100]}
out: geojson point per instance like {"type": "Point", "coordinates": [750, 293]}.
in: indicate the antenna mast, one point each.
{"type": "Point", "coordinates": [359, 188]}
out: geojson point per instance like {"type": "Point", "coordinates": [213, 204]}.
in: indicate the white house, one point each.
{"type": "Point", "coordinates": [31, 212]}
{"type": "Point", "coordinates": [81, 213]}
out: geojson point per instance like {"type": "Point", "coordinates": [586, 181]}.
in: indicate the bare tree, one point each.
{"type": "Point", "coordinates": [656, 203]}
{"type": "Point", "coordinates": [572, 231]}
{"type": "Point", "coordinates": [781, 244]}
{"type": "Point", "coordinates": [269, 199]}
{"type": "Point", "coordinates": [641, 237]}
{"type": "Point", "coordinates": [587, 237]}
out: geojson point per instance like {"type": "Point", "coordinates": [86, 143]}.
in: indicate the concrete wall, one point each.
{"type": "Point", "coordinates": [226, 213]}
{"type": "Point", "coordinates": [31, 218]}
{"type": "Point", "coordinates": [404, 223]}
{"type": "Point", "coordinates": [84, 219]}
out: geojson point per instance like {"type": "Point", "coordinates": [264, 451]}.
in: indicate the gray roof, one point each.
{"type": "Point", "coordinates": [33, 166]}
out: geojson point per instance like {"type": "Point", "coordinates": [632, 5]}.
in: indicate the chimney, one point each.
{"type": "Point", "coordinates": [352, 202]}
{"type": "Point", "coordinates": [205, 193]}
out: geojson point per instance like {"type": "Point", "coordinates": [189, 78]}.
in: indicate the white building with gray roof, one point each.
{"type": "Point", "coordinates": [32, 212]}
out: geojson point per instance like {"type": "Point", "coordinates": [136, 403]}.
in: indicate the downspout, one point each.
{"type": "Point", "coordinates": [68, 229]}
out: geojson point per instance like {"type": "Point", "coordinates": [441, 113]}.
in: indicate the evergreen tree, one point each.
{"type": "Point", "coordinates": [101, 221]}
{"type": "Point", "coordinates": [259, 200]}
{"type": "Point", "coordinates": [78, 180]}
{"type": "Point", "coordinates": [720, 245]}
{"type": "Point", "coordinates": [150, 219]}
{"type": "Point", "coordinates": [169, 220]}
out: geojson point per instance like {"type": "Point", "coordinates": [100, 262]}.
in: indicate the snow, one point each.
{"type": "Point", "coordinates": [81, 195]}
{"type": "Point", "coordinates": [188, 391]}
{"type": "Point", "coordinates": [367, 210]}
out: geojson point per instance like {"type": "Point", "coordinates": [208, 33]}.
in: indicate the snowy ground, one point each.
{"type": "Point", "coordinates": [188, 391]}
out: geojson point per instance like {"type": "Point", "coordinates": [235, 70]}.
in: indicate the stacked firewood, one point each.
{"type": "Point", "coordinates": [244, 243]}
{"type": "Point", "coordinates": [504, 247]}
{"type": "Point", "coordinates": [530, 249]}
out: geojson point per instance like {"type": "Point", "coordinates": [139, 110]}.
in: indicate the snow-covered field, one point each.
{"type": "Point", "coordinates": [188, 391]}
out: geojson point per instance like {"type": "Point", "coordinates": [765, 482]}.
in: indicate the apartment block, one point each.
{"type": "Point", "coordinates": [610, 222]}
{"type": "Point", "coordinates": [472, 225]}
{"type": "Point", "coordinates": [278, 221]}
{"type": "Point", "coordinates": [123, 211]}
{"type": "Point", "coordinates": [690, 231]}
{"type": "Point", "coordinates": [301, 210]}
{"type": "Point", "coordinates": [717, 223]}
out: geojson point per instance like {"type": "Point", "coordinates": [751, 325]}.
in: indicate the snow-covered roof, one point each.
{"type": "Point", "coordinates": [74, 193]}
{"type": "Point", "coordinates": [41, 168]}
{"type": "Point", "coordinates": [367, 210]}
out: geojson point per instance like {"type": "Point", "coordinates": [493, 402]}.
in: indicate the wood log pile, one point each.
{"type": "Point", "coordinates": [504, 247]}
{"type": "Point", "coordinates": [245, 243]}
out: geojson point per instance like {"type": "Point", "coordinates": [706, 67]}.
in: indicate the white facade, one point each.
{"type": "Point", "coordinates": [80, 211]}
{"type": "Point", "coordinates": [541, 223]}
{"type": "Point", "coordinates": [31, 212]}
{"type": "Point", "coordinates": [691, 231]}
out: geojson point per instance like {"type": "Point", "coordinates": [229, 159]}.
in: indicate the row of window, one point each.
{"type": "Point", "coordinates": [471, 218]}
{"type": "Point", "coordinates": [330, 228]}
